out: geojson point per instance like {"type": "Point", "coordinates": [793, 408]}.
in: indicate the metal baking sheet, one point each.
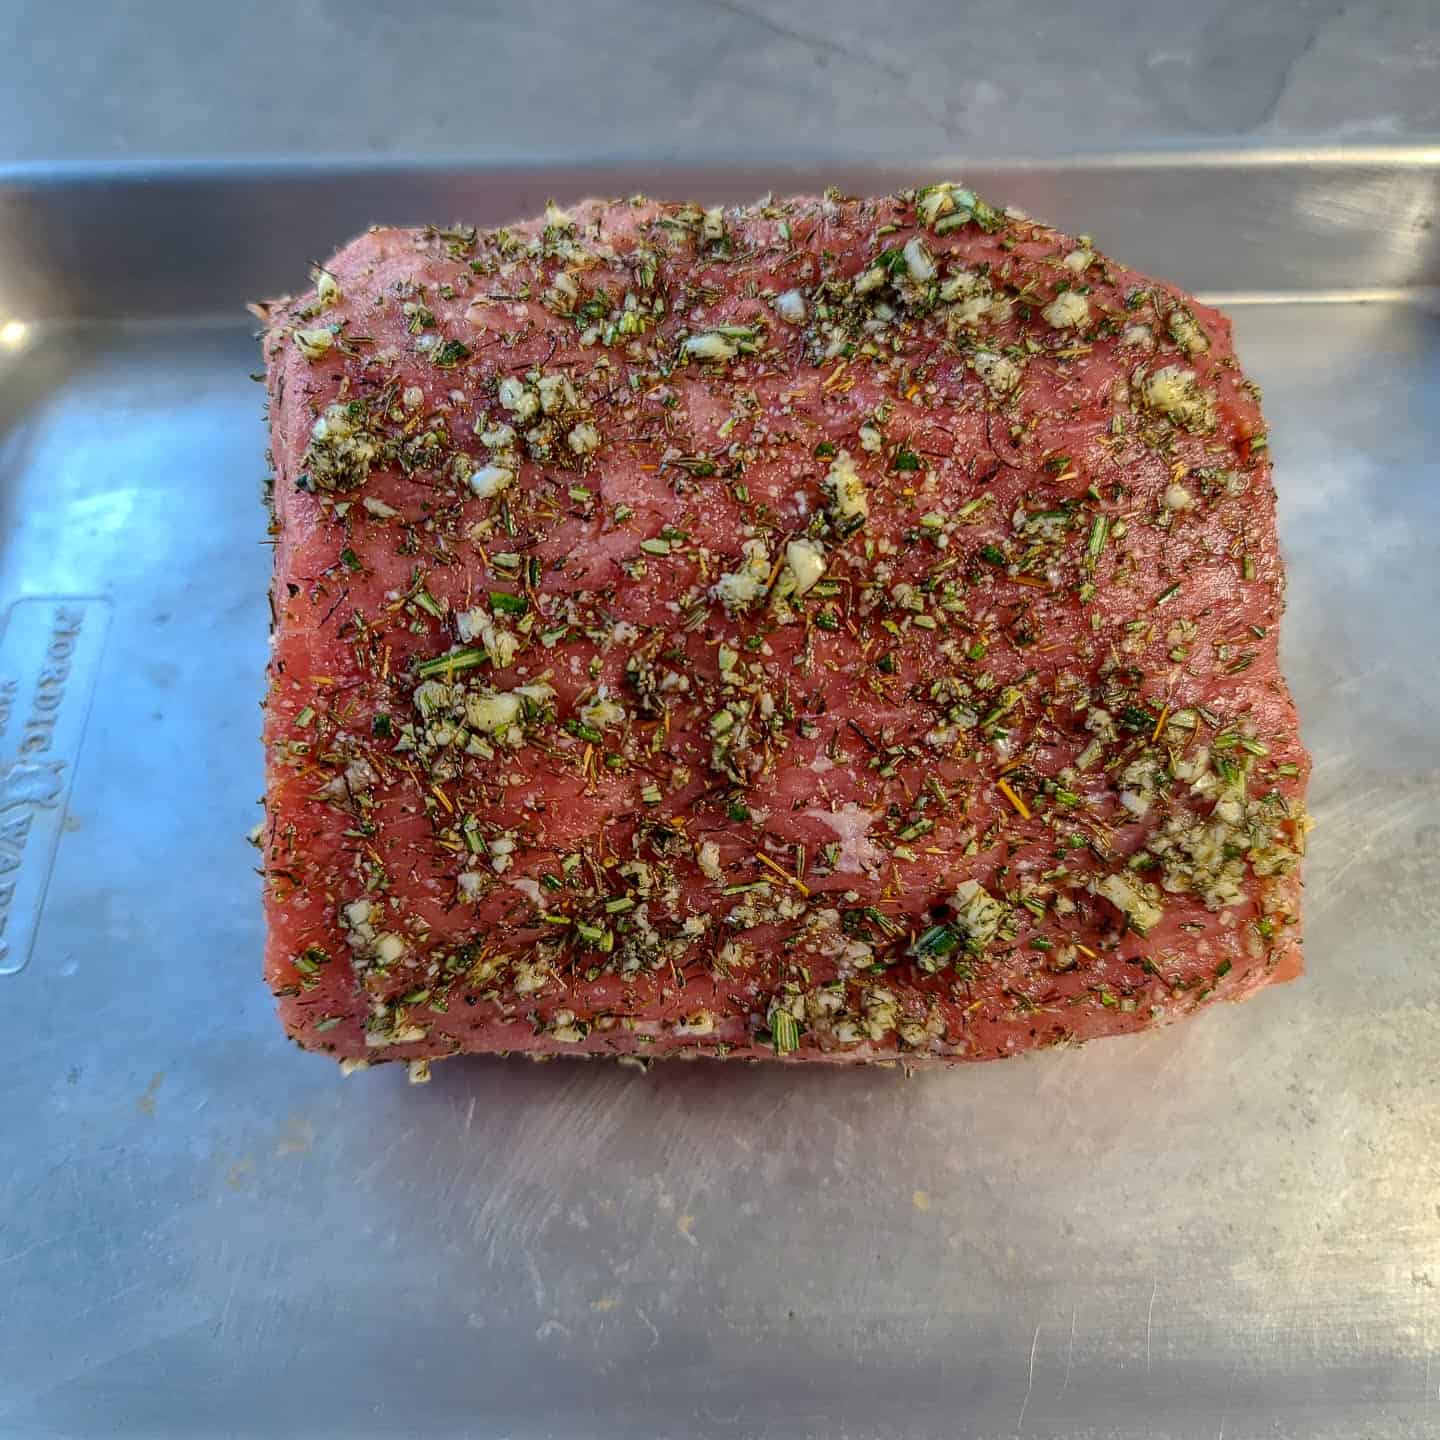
{"type": "Point", "coordinates": [1227, 1229]}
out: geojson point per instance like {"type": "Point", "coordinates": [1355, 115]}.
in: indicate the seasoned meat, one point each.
{"type": "Point", "coordinates": [830, 629]}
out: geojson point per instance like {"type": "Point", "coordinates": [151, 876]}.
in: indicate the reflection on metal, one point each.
{"type": "Point", "coordinates": [1329, 218]}
{"type": "Point", "coordinates": [1230, 1225]}
{"type": "Point", "coordinates": [1428, 296]}
{"type": "Point", "coordinates": [49, 659]}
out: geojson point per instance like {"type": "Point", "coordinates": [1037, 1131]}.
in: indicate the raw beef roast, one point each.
{"type": "Point", "coordinates": [830, 629]}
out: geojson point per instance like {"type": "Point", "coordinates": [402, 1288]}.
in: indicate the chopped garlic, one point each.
{"type": "Point", "coordinates": [1177, 394]}
{"type": "Point", "coordinates": [356, 916]}
{"type": "Point", "coordinates": [741, 587]}
{"type": "Point", "coordinates": [562, 294]}
{"type": "Point", "coordinates": [881, 1012]}
{"type": "Point", "coordinates": [602, 712]}
{"type": "Point", "coordinates": [1067, 311]}
{"type": "Point", "coordinates": [1079, 260]}
{"type": "Point", "coordinates": [967, 282]}
{"type": "Point", "coordinates": [530, 976]}
{"type": "Point", "coordinates": [791, 307]}
{"type": "Point", "coordinates": [389, 947]}
{"type": "Point", "coordinates": [584, 439]}
{"type": "Point", "coordinates": [468, 624]}
{"type": "Point", "coordinates": [1000, 373]}
{"type": "Point", "coordinates": [490, 480]}
{"type": "Point", "coordinates": [699, 1022]}
{"type": "Point", "coordinates": [1133, 899]}
{"type": "Point", "coordinates": [846, 489]}
{"type": "Point", "coordinates": [500, 644]}
{"type": "Point", "coordinates": [918, 260]}
{"type": "Point", "coordinates": [805, 561]}
{"type": "Point", "coordinates": [937, 201]}
{"type": "Point", "coordinates": [708, 858]}
{"type": "Point", "coordinates": [977, 912]}
{"type": "Point", "coordinates": [975, 308]}
{"type": "Point", "coordinates": [711, 346]}
{"type": "Point", "coordinates": [399, 1035]}
{"type": "Point", "coordinates": [498, 437]}
{"type": "Point", "coordinates": [564, 1028]}
{"type": "Point", "coordinates": [327, 287]}
{"type": "Point", "coordinates": [556, 393]}
{"type": "Point", "coordinates": [494, 712]}
{"type": "Point", "coordinates": [1185, 331]}
{"type": "Point", "coordinates": [314, 344]}
{"type": "Point", "coordinates": [518, 398]}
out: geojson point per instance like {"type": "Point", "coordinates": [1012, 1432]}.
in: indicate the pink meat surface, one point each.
{"type": "Point", "coordinates": [829, 629]}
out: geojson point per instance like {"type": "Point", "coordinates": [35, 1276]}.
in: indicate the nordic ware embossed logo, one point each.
{"type": "Point", "coordinates": [49, 660]}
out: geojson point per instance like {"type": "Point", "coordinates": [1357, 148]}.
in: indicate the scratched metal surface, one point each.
{"type": "Point", "coordinates": [1231, 1228]}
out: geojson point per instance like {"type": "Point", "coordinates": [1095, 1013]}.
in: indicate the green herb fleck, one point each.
{"type": "Point", "coordinates": [469, 658]}
{"type": "Point", "coordinates": [310, 959]}
{"type": "Point", "coordinates": [1137, 720]}
{"type": "Point", "coordinates": [450, 354]}
{"type": "Point", "coordinates": [786, 1032]}
{"type": "Point", "coordinates": [892, 260]}
{"type": "Point", "coordinates": [935, 943]}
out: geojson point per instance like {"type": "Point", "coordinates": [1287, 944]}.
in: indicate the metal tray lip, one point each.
{"type": "Point", "coordinates": [34, 195]}
{"type": "Point", "coordinates": [1416, 155]}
